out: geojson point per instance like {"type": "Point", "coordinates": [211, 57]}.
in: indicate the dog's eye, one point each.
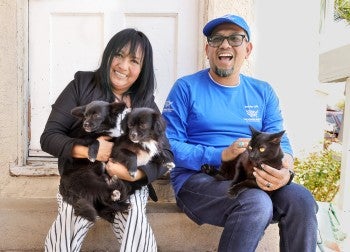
{"type": "Point", "coordinates": [143, 126]}
{"type": "Point", "coordinates": [96, 116]}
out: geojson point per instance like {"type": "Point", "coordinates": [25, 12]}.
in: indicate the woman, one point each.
{"type": "Point", "coordinates": [126, 74]}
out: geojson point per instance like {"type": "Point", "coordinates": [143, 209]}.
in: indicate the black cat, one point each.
{"type": "Point", "coordinates": [263, 148]}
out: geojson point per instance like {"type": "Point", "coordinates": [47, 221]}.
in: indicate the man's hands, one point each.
{"type": "Point", "coordinates": [234, 149]}
{"type": "Point", "coordinates": [270, 179]}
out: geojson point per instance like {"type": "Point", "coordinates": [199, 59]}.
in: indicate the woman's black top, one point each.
{"type": "Point", "coordinates": [62, 128]}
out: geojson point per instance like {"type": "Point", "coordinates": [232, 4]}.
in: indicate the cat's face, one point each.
{"type": "Point", "coordinates": [264, 146]}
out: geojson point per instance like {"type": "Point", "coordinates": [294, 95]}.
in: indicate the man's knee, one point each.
{"type": "Point", "coordinates": [257, 206]}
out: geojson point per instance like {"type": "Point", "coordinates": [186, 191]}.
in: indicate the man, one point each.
{"type": "Point", "coordinates": [208, 116]}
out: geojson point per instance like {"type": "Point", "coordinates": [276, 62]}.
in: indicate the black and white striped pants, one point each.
{"type": "Point", "coordinates": [131, 229]}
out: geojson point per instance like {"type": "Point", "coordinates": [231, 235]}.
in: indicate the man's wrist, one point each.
{"type": "Point", "coordinates": [291, 176]}
{"type": "Point", "coordinates": [223, 155]}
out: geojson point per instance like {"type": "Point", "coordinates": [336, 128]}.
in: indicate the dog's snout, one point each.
{"type": "Point", "coordinates": [133, 136]}
{"type": "Point", "coordinates": [87, 126]}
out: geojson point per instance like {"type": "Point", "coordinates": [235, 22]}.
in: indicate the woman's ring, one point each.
{"type": "Point", "coordinates": [268, 185]}
{"type": "Point", "coordinates": [240, 144]}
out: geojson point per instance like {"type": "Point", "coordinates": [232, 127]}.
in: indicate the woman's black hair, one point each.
{"type": "Point", "coordinates": [142, 91]}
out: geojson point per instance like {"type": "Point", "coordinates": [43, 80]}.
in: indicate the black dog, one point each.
{"type": "Point", "coordinates": [86, 186]}
{"type": "Point", "coordinates": [99, 118]}
{"type": "Point", "coordinates": [142, 140]}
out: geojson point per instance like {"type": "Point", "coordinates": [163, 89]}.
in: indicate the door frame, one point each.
{"type": "Point", "coordinates": [27, 166]}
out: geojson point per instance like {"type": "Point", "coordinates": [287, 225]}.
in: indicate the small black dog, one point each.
{"type": "Point", "coordinates": [142, 140]}
{"type": "Point", "coordinates": [86, 186]}
{"type": "Point", "coordinates": [99, 118]}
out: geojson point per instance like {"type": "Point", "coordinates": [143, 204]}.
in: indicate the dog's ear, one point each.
{"type": "Point", "coordinates": [124, 123]}
{"type": "Point", "coordinates": [158, 123]}
{"type": "Point", "coordinates": [116, 108]}
{"type": "Point", "coordinates": [78, 111]}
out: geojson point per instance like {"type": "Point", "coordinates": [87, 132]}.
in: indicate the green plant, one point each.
{"type": "Point", "coordinates": [320, 173]}
{"type": "Point", "coordinates": [341, 104]}
{"type": "Point", "coordinates": [342, 10]}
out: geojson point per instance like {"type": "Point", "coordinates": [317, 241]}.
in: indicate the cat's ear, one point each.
{"type": "Point", "coordinates": [276, 137]}
{"type": "Point", "coordinates": [254, 131]}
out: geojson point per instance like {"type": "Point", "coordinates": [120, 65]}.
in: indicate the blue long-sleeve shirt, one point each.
{"type": "Point", "coordinates": [204, 117]}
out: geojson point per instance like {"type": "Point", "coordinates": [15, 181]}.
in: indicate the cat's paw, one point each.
{"type": "Point", "coordinates": [115, 195]}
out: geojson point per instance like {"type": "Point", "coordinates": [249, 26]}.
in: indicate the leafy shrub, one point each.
{"type": "Point", "coordinates": [320, 173]}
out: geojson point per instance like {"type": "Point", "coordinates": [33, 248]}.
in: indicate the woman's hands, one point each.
{"type": "Point", "coordinates": [119, 170]}
{"type": "Point", "coordinates": [115, 169]}
{"type": "Point", "coordinates": [105, 148]}
{"type": "Point", "coordinates": [103, 155]}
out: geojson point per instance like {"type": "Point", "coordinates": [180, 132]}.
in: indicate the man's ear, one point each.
{"type": "Point", "coordinates": [249, 48]}
{"type": "Point", "coordinates": [78, 111]}
{"type": "Point", "coordinates": [206, 50]}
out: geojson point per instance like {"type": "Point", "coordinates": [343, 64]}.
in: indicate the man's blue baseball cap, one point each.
{"type": "Point", "coordinates": [229, 18]}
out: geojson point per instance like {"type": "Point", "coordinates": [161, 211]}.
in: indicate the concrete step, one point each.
{"type": "Point", "coordinates": [25, 222]}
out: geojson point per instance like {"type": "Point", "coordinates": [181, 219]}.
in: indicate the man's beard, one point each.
{"type": "Point", "coordinates": [223, 72]}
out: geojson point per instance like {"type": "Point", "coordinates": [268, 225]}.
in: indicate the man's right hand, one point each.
{"type": "Point", "coordinates": [234, 149]}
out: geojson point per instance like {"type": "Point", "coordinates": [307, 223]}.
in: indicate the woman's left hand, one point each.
{"type": "Point", "coordinates": [270, 179]}
{"type": "Point", "coordinates": [119, 170]}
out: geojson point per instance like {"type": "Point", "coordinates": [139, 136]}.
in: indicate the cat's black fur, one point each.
{"type": "Point", "coordinates": [263, 148]}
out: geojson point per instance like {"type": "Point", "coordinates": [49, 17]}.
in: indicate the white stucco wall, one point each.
{"type": "Point", "coordinates": [333, 34]}
{"type": "Point", "coordinates": [8, 91]}
{"type": "Point", "coordinates": [12, 47]}
{"type": "Point", "coordinates": [286, 46]}
{"type": "Point", "coordinates": [285, 53]}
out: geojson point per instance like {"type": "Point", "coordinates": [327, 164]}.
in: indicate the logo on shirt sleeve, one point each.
{"type": "Point", "coordinates": [168, 106]}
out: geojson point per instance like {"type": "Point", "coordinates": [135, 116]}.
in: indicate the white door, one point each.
{"type": "Point", "coordinates": [69, 35]}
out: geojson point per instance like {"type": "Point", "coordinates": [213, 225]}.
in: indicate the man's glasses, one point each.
{"type": "Point", "coordinates": [233, 40]}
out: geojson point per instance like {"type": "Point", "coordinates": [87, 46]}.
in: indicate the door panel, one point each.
{"type": "Point", "coordinates": [66, 36]}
